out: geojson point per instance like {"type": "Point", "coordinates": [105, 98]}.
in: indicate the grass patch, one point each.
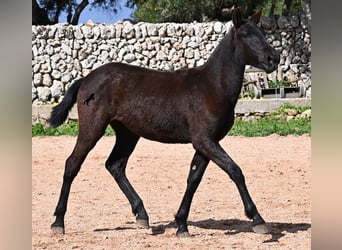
{"type": "Point", "coordinates": [271, 125]}
{"type": "Point", "coordinates": [71, 128]}
{"type": "Point", "coordinates": [281, 110]}
{"type": "Point", "coordinates": [274, 123]}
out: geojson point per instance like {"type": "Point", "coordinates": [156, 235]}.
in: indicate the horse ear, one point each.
{"type": "Point", "coordinates": [237, 17]}
{"type": "Point", "coordinates": [256, 17]}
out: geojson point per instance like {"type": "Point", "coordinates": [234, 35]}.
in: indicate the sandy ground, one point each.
{"type": "Point", "coordinates": [277, 171]}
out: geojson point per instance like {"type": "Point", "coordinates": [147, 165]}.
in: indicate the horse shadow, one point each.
{"type": "Point", "coordinates": [235, 226]}
{"type": "Point", "coordinates": [230, 226]}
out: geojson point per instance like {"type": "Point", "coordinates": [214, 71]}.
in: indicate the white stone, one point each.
{"type": "Point", "coordinates": [129, 57]}
{"type": "Point", "coordinates": [218, 27]}
{"type": "Point", "coordinates": [47, 81]}
{"type": "Point", "coordinates": [44, 93]}
{"type": "Point", "coordinates": [57, 89]}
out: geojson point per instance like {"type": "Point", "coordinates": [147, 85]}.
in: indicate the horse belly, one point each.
{"type": "Point", "coordinates": [162, 133]}
{"type": "Point", "coordinates": [166, 127]}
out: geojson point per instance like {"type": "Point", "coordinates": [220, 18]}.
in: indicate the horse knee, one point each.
{"type": "Point", "coordinates": [116, 169]}
{"type": "Point", "coordinates": [235, 173]}
{"type": "Point", "coordinates": [110, 166]}
{"type": "Point", "coordinates": [71, 169]}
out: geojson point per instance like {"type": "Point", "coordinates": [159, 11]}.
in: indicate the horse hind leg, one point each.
{"type": "Point", "coordinates": [116, 165]}
{"type": "Point", "coordinates": [89, 134]}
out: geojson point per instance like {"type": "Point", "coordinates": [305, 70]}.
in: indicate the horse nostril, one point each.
{"type": "Point", "coordinates": [273, 59]}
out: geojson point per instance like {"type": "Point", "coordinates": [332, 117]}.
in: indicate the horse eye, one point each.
{"type": "Point", "coordinates": [263, 32]}
{"type": "Point", "coordinates": [244, 34]}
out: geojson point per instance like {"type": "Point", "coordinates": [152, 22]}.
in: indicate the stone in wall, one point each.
{"type": "Point", "coordinates": [62, 53]}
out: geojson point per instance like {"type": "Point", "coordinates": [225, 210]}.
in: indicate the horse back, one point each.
{"type": "Point", "coordinates": [151, 103]}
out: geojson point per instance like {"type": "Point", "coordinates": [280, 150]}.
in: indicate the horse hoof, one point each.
{"type": "Point", "coordinates": [183, 235]}
{"type": "Point", "coordinates": [57, 229]}
{"type": "Point", "coordinates": [143, 224]}
{"type": "Point", "coordinates": [260, 229]}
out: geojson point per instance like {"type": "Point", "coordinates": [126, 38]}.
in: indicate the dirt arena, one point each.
{"type": "Point", "coordinates": [277, 171]}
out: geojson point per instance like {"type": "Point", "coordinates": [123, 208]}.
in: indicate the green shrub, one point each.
{"type": "Point", "coordinates": [270, 125]}
{"type": "Point", "coordinates": [71, 128]}
{"type": "Point", "coordinates": [278, 84]}
{"type": "Point", "coordinates": [281, 110]}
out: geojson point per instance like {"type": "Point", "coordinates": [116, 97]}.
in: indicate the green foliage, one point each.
{"type": "Point", "coordinates": [109, 131]}
{"type": "Point", "coordinates": [159, 11]}
{"type": "Point", "coordinates": [281, 110]}
{"type": "Point", "coordinates": [169, 11]}
{"type": "Point", "coordinates": [71, 128]}
{"type": "Point", "coordinates": [53, 9]}
{"type": "Point", "coordinates": [277, 83]}
{"type": "Point", "coordinates": [148, 11]}
{"type": "Point", "coordinates": [274, 124]}
{"type": "Point", "coordinates": [187, 11]}
{"type": "Point", "coordinates": [271, 125]}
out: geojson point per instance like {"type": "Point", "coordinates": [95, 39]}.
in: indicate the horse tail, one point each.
{"type": "Point", "coordinates": [60, 112]}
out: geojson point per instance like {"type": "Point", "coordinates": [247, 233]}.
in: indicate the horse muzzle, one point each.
{"type": "Point", "coordinates": [271, 62]}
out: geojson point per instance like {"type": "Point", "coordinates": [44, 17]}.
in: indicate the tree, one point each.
{"type": "Point", "coordinates": [39, 15]}
{"type": "Point", "coordinates": [187, 11]}
{"type": "Point", "coordinates": [306, 5]}
{"type": "Point", "coordinates": [48, 11]}
{"type": "Point", "coordinates": [180, 10]}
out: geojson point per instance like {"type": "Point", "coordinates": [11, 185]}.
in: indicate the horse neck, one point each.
{"type": "Point", "coordinates": [226, 69]}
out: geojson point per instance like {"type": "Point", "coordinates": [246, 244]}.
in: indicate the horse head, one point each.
{"type": "Point", "coordinates": [251, 45]}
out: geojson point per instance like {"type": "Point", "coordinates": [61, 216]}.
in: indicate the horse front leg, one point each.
{"type": "Point", "coordinates": [216, 153]}
{"type": "Point", "coordinates": [198, 165]}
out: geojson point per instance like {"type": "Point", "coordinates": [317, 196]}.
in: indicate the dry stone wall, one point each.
{"type": "Point", "coordinates": [62, 53]}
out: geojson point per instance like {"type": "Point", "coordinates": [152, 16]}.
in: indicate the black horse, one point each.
{"type": "Point", "coordinates": [193, 105]}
